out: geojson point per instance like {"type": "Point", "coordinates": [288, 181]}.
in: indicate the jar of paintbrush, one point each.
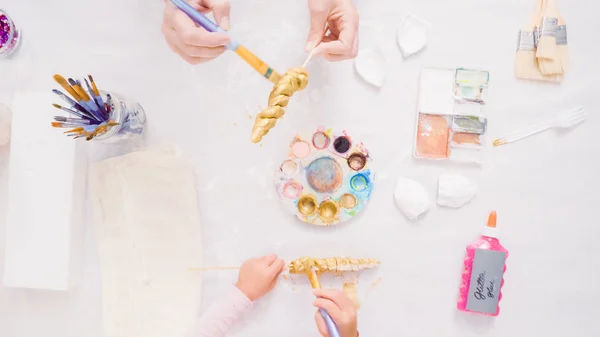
{"type": "Point", "coordinates": [10, 35]}
{"type": "Point", "coordinates": [97, 115]}
{"type": "Point", "coordinates": [129, 115]}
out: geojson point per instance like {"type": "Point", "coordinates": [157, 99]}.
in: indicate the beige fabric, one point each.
{"type": "Point", "coordinates": [148, 230]}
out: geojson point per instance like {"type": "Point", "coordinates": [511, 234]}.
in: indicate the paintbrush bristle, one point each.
{"type": "Point", "coordinates": [78, 130]}
{"type": "Point", "coordinates": [63, 83]}
{"type": "Point", "coordinates": [94, 87]}
{"type": "Point", "coordinates": [56, 106]}
{"type": "Point", "coordinates": [60, 118]}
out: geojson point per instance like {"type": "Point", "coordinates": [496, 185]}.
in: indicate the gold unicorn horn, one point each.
{"type": "Point", "coordinates": [293, 80]}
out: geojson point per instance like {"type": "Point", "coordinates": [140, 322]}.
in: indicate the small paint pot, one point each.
{"type": "Point", "coordinates": [359, 182]}
{"type": "Point", "coordinates": [320, 140]}
{"type": "Point", "coordinates": [292, 190]}
{"type": "Point", "coordinates": [10, 35]}
{"type": "Point", "coordinates": [307, 205]}
{"type": "Point", "coordinates": [342, 144]}
{"type": "Point", "coordinates": [348, 201]}
{"type": "Point", "coordinates": [289, 168]}
{"type": "Point", "coordinates": [357, 161]}
{"type": "Point", "coordinates": [129, 114]}
{"type": "Point", "coordinates": [328, 211]}
{"type": "Point", "coordinates": [300, 149]}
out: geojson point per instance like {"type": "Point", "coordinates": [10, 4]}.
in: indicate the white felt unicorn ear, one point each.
{"type": "Point", "coordinates": [412, 35]}
{"type": "Point", "coordinates": [455, 190]}
{"type": "Point", "coordinates": [411, 198]}
{"type": "Point", "coordinates": [370, 64]}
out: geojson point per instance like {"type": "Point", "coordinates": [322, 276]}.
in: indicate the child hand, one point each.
{"type": "Point", "coordinates": [195, 44]}
{"type": "Point", "coordinates": [259, 275]}
{"type": "Point", "coordinates": [340, 308]}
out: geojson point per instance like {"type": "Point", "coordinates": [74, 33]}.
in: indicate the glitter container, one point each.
{"type": "Point", "coordinates": [129, 114]}
{"type": "Point", "coordinates": [10, 35]}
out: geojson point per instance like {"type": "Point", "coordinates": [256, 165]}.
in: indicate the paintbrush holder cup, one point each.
{"type": "Point", "coordinates": [10, 35]}
{"type": "Point", "coordinates": [129, 114]}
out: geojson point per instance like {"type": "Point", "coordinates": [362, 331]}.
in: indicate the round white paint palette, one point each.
{"type": "Point", "coordinates": [326, 178]}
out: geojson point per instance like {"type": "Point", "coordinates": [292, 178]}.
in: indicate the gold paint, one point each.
{"type": "Point", "coordinates": [351, 290]}
{"type": "Point", "coordinates": [330, 264]}
{"type": "Point", "coordinates": [307, 205]}
{"type": "Point", "coordinates": [348, 201]}
{"type": "Point", "coordinates": [328, 211]}
{"type": "Point", "coordinates": [293, 80]}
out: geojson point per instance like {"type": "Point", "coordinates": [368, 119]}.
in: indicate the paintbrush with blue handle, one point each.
{"type": "Point", "coordinates": [314, 282]}
{"type": "Point", "coordinates": [256, 63]}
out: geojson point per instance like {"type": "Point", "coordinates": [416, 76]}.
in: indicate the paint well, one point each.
{"type": "Point", "coordinates": [359, 182]}
{"type": "Point", "coordinates": [342, 144]}
{"type": "Point", "coordinates": [324, 175]}
{"type": "Point", "coordinates": [301, 149]}
{"type": "Point", "coordinates": [292, 189]}
{"type": "Point", "coordinates": [307, 205]}
{"type": "Point", "coordinates": [460, 138]}
{"type": "Point", "coordinates": [320, 140]}
{"type": "Point", "coordinates": [328, 211]}
{"type": "Point", "coordinates": [348, 201]}
{"type": "Point", "coordinates": [357, 161]}
{"type": "Point", "coordinates": [289, 168]}
{"type": "Point", "coordinates": [432, 136]}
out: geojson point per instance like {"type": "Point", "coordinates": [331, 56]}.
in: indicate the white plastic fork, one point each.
{"type": "Point", "coordinates": [563, 120]}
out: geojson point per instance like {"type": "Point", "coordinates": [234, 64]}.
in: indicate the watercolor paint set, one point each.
{"type": "Point", "coordinates": [326, 178]}
{"type": "Point", "coordinates": [451, 124]}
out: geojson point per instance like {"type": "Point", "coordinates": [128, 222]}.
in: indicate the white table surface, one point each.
{"type": "Point", "coordinates": [545, 189]}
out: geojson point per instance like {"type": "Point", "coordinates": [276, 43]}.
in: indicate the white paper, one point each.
{"type": "Point", "coordinates": [370, 64]}
{"type": "Point", "coordinates": [412, 35]}
{"type": "Point", "coordinates": [455, 190]}
{"type": "Point", "coordinates": [148, 230]}
{"type": "Point", "coordinates": [411, 198]}
{"type": "Point", "coordinates": [435, 91]}
{"type": "Point", "coordinates": [46, 190]}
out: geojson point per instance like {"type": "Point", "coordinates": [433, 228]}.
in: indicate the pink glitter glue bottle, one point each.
{"type": "Point", "coordinates": [483, 274]}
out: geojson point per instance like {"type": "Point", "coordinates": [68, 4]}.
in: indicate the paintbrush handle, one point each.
{"type": "Point", "coordinates": [203, 21]}
{"type": "Point", "coordinates": [256, 63]}
{"type": "Point", "coordinates": [526, 133]}
{"type": "Point", "coordinates": [331, 327]}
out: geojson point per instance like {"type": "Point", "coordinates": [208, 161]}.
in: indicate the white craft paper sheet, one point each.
{"type": "Point", "coordinates": [46, 197]}
{"type": "Point", "coordinates": [435, 91]}
{"type": "Point", "coordinates": [148, 229]}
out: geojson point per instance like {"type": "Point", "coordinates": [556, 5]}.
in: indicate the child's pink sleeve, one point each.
{"type": "Point", "coordinates": [222, 314]}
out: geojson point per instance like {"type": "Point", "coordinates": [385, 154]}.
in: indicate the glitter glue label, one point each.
{"type": "Point", "coordinates": [486, 277]}
{"type": "Point", "coordinates": [483, 274]}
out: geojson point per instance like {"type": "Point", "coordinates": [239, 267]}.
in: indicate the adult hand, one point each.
{"type": "Point", "coordinates": [193, 43]}
{"type": "Point", "coordinates": [341, 17]}
{"type": "Point", "coordinates": [340, 308]}
{"type": "Point", "coordinates": [259, 275]}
